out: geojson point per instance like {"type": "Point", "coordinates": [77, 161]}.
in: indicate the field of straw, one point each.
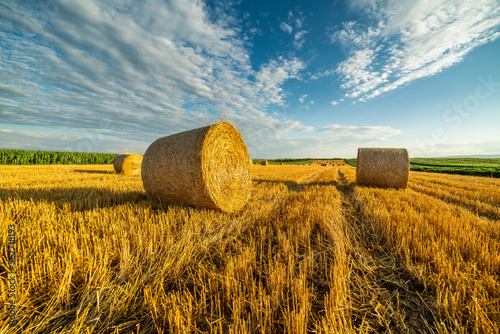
{"type": "Point", "coordinates": [311, 252]}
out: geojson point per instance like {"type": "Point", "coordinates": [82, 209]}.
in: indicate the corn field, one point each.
{"type": "Point", "coordinates": [311, 252]}
{"type": "Point", "coordinates": [25, 157]}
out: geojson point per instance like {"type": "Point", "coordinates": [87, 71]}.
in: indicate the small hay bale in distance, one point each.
{"type": "Point", "coordinates": [263, 162]}
{"type": "Point", "coordinates": [281, 164]}
{"type": "Point", "coordinates": [383, 167]}
{"type": "Point", "coordinates": [208, 167]}
{"type": "Point", "coordinates": [128, 164]}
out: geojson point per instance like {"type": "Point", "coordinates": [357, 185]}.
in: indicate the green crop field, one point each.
{"type": "Point", "coordinates": [25, 157]}
{"type": "Point", "coordinates": [463, 166]}
{"type": "Point", "coordinates": [352, 162]}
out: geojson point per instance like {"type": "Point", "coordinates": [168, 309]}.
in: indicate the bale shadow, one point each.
{"type": "Point", "coordinates": [84, 198]}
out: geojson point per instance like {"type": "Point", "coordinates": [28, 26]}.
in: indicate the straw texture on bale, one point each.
{"type": "Point", "coordinates": [207, 167]}
{"type": "Point", "coordinates": [128, 164]}
{"type": "Point", "coordinates": [383, 167]}
{"type": "Point", "coordinates": [263, 162]}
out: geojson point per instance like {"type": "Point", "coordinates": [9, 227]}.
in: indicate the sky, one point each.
{"type": "Point", "coordinates": [297, 78]}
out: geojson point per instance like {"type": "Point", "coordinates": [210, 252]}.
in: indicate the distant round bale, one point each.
{"type": "Point", "coordinates": [207, 167]}
{"type": "Point", "coordinates": [128, 164]}
{"type": "Point", "coordinates": [263, 162]}
{"type": "Point", "coordinates": [383, 167]}
{"type": "Point", "coordinates": [281, 164]}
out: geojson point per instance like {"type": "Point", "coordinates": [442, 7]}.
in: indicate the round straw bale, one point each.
{"type": "Point", "coordinates": [281, 164]}
{"type": "Point", "coordinates": [263, 162]}
{"type": "Point", "coordinates": [207, 167]}
{"type": "Point", "coordinates": [383, 167]}
{"type": "Point", "coordinates": [128, 164]}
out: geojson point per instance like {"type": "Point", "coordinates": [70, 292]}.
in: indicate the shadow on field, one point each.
{"type": "Point", "coordinates": [83, 198]}
{"type": "Point", "coordinates": [93, 171]}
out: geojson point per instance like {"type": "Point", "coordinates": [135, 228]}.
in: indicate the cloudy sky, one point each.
{"type": "Point", "coordinates": [298, 78]}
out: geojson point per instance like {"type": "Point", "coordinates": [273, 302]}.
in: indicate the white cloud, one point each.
{"type": "Point", "coordinates": [301, 99]}
{"type": "Point", "coordinates": [295, 18]}
{"type": "Point", "coordinates": [330, 141]}
{"type": "Point", "coordinates": [334, 103]}
{"type": "Point", "coordinates": [136, 72]}
{"type": "Point", "coordinates": [299, 22]}
{"type": "Point", "coordinates": [83, 142]}
{"type": "Point", "coordinates": [312, 102]}
{"type": "Point", "coordinates": [286, 28]}
{"type": "Point", "coordinates": [299, 39]}
{"type": "Point", "coordinates": [455, 148]}
{"type": "Point", "coordinates": [379, 133]}
{"type": "Point", "coordinates": [410, 40]}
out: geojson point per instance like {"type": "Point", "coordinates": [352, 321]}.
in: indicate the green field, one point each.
{"type": "Point", "coordinates": [463, 166]}
{"type": "Point", "coordinates": [26, 157]}
{"type": "Point", "coordinates": [352, 162]}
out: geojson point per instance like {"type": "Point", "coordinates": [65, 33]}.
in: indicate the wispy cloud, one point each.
{"type": "Point", "coordinates": [286, 27]}
{"type": "Point", "coordinates": [295, 21]}
{"type": "Point", "coordinates": [301, 99]}
{"type": "Point", "coordinates": [378, 133]}
{"type": "Point", "coordinates": [137, 72]}
{"type": "Point", "coordinates": [84, 142]}
{"type": "Point", "coordinates": [404, 41]}
{"type": "Point", "coordinates": [334, 138]}
{"type": "Point", "coordinates": [299, 39]}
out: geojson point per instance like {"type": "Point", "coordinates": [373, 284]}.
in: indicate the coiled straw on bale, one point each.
{"type": "Point", "coordinates": [263, 162]}
{"type": "Point", "coordinates": [128, 164]}
{"type": "Point", "coordinates": [383, 167]}
{"type": "Point", "coordinates": [207, 167]}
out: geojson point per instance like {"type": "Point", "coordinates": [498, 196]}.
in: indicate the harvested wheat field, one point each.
{"type": "Point", "coordinates": [311, 252]}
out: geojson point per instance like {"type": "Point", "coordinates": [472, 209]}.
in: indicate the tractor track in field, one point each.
{"type": "Point", "coordinates": [489, 211]}
{"type": "Point", "coordinates": [390, 299]}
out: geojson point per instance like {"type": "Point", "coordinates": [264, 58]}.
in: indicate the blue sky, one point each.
{"type": "Point", "coordinates": [298, 78]}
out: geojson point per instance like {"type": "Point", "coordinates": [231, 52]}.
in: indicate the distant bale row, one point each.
{"type": "Point", "coordinates": [128, 164]}
{"type": "Point", "coordinates": [208, 167]}
{"type": "Point", "coordinates": [383, 167]}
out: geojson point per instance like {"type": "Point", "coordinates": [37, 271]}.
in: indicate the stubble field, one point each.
{"type": "Point", "coordinates": [310, 253]}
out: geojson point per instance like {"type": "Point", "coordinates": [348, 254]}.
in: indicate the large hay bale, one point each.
{"type": "Point", "coordinates": [383, 167]}
{"type": "Point", "coordinates": [128, 164]}
{"type": "Point", "coordinates": [207, 167]}
{"type": "Point", "coordinates": [263, 162]}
